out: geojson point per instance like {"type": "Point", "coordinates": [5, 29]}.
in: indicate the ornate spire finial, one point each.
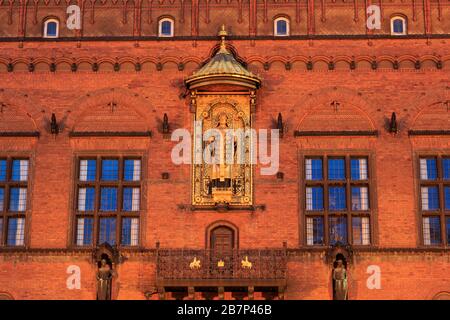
{"type": "Point", "coordinates": [222, 34]}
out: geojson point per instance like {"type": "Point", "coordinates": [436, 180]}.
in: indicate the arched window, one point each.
{"type": "Point", "coordinates": [398, 26]}
{"type": "Point", "coordinates": [166, 26]}
{"type": "Point", "coordinates": [281, 27]}
{"type": "Point", "coordinates": [51, 28]}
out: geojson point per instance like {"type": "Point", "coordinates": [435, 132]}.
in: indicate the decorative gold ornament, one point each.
{"type": "Point", "coordinates": [221, 263]}
{"type": "Point", "coordinates": [195, 264]}
{"type": "Point", "coordinates": [246, 264]}
{"type": "Point", "coordinates": [222, 131]}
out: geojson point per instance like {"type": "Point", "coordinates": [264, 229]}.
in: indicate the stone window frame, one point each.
{"type": "Point", "coordinates": [275, 26]}
{"type": "Point", "coordinates": [442, 213]}
{"type": "Point", "coordinates": [372, 213]}
{"type": "Point", "coordinates": [46, 22]}
{"type": "Point", "coordinates": [6, 214]}
{"type": "Point", "coordinates": [120, 184]}
{"type": "Point", "coordinates": [404, 25]}
{"type": "Point", "coordinates": [172, 29]}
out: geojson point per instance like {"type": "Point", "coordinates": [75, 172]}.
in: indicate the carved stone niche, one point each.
{"type": "Point", "coordinates": [339, 250]}
{"type": "Point", "coordinates": [223, 98]}
{"type": "Point", "coordinates": [106, 258]}
{"type": "Point", "coordinates": [339, 257]}
{"type": "Point", "coordinates": [106, 250]}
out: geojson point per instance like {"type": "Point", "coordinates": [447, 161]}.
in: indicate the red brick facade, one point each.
{"type": "Point", "coordinates": [370, 77]}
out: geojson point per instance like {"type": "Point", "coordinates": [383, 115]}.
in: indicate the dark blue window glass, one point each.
{"type": "Point", "coordinates": [15, 176]}
{"type": "Point", "coordinates": [128, 200]}
{"type": "Point", "coordinates": [16, 233]}
{"type": "Point", "coordinates": [447, 227]}
{"type": "Point", "coordinates": [358, 169]}
{"type": "Point", "coordinates": [110, 170]}
{"type": "Point", "coordinates": [314, 198]}
{"type": "Point", "coordinates": [338, 230]}
{"type": "Point", "coordinates": [86, 199]}
{"type": "Point", "coordinates": [130, 231]}
{"type": "Point", "coordinates": [337, 198]}
{"type": "Point", "coordinates": [108, 200]}
{"type": "Point", "coordinates": [431, 169]}
{"type": "Point", "coordinates": [398, 26]}
{"type": "Point", "coordinates": [88, 170]}
{"type": "Point", "coordinates": [126, 231]}
{"type": "Point", "coordinates": [433, 198]}
{"type": "Point", "coordinates": [17, 199]}
{"type": "Point", "coordinates": [88, 231]}
{"type": "Point", "coordinates": [446, 168]}
{"type": "Point", "coordinates": [447, 198]}
{"type": "Point", "coordinates": [85, 231]}
{"type": "Point", "coordinates": [336, 169]}
{"type": "Point", "coordinates": [435, 230]}
{"type": "Point", "coordinates": [2, 170]}
{"type": "Point", "coordinates": [317, 225]}
{"type": "Point", "coordinates": [52, 29]}
{"type": "Point", "coordinates": [281, 27]}
{"type": "Point", "coordinates": [313, 169]}
{"type": "Point", "coordinates": [107, 231]}
{"type": "Point", "coordinates": [316, 166]}
{"type": "Point", "coordinates": [19, 170]}
{"type": "Point", "coordinates": [132, 170]}
{"type": "Point", "coordinates": [14, 199]}
{"type": "Point", "coordinates": [166, 28]}
{"type": "Point", "coordinates": [2, 199]}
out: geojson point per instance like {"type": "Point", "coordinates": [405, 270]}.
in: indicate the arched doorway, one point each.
{"type": "Point", "coordinates": [222, 239]}
{"type": "Point", "coordinates": [222, 243]}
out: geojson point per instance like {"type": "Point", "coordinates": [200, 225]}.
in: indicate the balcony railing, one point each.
{"type": "Point", "coordinates": [260, 265]}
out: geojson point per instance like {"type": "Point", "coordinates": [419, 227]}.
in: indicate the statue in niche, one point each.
{"type": "Point", "coordinates": [340, 287]}
{"type": "Point", "coordinates": [104, 279]}
{"type": "Point", "coordinates": [221, 167]}
{"type": "Point", "coordinates": [225, 173]}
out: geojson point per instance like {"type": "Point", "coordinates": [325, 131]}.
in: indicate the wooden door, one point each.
{"type": "Point", "coordinates": [222, 239]}
{"type": "Point", "coordinates": [222, 245]}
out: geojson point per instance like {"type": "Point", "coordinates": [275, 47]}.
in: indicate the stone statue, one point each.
{"type": "Point", "coordinates": [104, 281]}
{"type": "Point", "coordinates": [339, 281]}
{"type": "Point", "coordinates": [221, 170]}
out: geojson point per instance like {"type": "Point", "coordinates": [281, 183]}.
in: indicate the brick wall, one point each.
{"type": "Point", "coordinates": [303, 97]}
